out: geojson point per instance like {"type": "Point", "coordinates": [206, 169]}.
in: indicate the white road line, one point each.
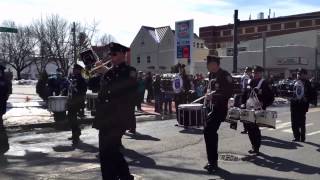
{"type": "Point", "coordinates": [281, 125]}
{"type": "Point", "coordinates": [290, 130]}
{"type": "Point", "coordinates": [277, 121]}
{"type": "Point", "coordinates": [313, 133]}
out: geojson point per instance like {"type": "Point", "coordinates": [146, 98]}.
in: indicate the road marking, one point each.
{"type": "Point", "coordinates": [277, 121]}
{"type": "Point", "coordinates": [290, 130]}
{"type": "Point", "coordinates": [281, 125]}
{"type": "Point", "coordinates": [313, 133]}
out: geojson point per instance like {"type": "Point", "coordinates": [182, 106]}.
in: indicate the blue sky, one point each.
{"type": "Point", "coordinates": [123, 18]}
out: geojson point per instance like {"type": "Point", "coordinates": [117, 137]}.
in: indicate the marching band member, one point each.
{"type": "Point", "coordinates": [76, 99]}
{"type": "Point", "coordinates": [222, 85]}
{"type": "Point", "coordinates": [115, 112]}
{"type": "Point", "coordinates": [300, 104]}
{"type": "Point", "coordinates": [266, 98]}
{"type": "Point", "coordinates": [5, 91]}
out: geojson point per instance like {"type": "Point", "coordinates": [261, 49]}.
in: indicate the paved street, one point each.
{"type": "Point", "coordinates": [161, 150]}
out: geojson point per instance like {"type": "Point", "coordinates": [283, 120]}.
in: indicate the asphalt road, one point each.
{"type": "Point", "coordinates": [162, 150]}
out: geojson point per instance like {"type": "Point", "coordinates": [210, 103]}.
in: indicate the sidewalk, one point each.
{"type": "Point", "coordinates": [32, 114]}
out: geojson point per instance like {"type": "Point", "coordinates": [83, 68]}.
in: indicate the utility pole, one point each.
{"type": "Point", "coordinates": [235, 41]}
{"type": "Point", "coordinates": [74, 43]}
{"type": "Point", "coordinates": [264, 51]}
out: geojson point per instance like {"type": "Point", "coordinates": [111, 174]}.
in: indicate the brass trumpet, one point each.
{"type": "Point", "coordinates": [87, 74]}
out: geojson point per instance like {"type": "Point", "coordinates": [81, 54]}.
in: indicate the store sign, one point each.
{"type": "Point", "coordinates": [292, 61]}
{"type": "Point", "coordinates": [184, 38]}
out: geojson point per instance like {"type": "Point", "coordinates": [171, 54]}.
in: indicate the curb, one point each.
{"type": "Point", "coordinates": [87, 120]}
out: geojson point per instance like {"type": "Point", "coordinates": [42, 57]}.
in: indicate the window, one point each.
{"type": "Point", "coordinates": [138, 59]}
{"type": "Point", "coordinates": [305, 23]}
{"type": "Point", "coordinates": [290, 25]}
{"type": "Point", "coordinates": [148, 59]}
{"type": "Point", "coordinates": [317, 21]}
{"type": "Point", "coordinates": [262, 28]}
{"type": "Point", "coordinates": [216, 33]}
{"type": "Point", "coordinates": [197, 45]}
{"type": "Point", "coordinates": [226, 33]}
{"type": "Point", "coordinates": [249, 30]}
{"type": "Point", "coordinates": [275, 26]}
{"type": "Point", "coordinates": [201, 45]}
{"type": "Point", "coordinates": [142, 43]}
{"type": "Point", "coordinates": [194, 44]}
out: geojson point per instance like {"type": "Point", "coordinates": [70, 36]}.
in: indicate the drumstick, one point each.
{"type": "Point", "coordinates": [199, 99]}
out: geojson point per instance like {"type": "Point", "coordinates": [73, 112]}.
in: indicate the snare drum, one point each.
{"type": "Point", "coordinates": [91, 101]}
{"type": "Point", "coordinates": [57, 103]}
{"type": "Point", "coordinates": [265, 118]}
{"type": "Point", "coordinates": [191, 115]}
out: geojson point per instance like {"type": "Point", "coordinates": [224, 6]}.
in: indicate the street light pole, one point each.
{"type": "Point", "coordinates": [264, 51]}
{"type": "Point", "coordinates": [74, 43]}
{"type": "Point", "coordinates": [235, 41]}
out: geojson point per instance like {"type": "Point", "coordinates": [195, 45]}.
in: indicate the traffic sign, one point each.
{"type": "Point", "coordinates": [9, 30]}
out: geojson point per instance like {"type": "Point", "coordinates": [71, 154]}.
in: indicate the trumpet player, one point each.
{"type": "Point", "coordinates": [76, 97]}
{"type": "Point", "coordinates": [115, 112]}
{"type": "Point", "coordinates": [221, 84]}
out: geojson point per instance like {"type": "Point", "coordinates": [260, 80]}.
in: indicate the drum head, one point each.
{"type": "Point", "coordinates": [195, 106]}
{"type": "Point", "coordinates": [177, 83]}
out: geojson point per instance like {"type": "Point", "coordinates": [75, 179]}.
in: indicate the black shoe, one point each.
{"type": "Point", "coordinates": [244, 132]}
{"type": "Point", "coordinates": [295, 140]}
{"type": "Point", "coordinates": [254, 152]}
{"type": "Point", "coordinates": [211, 168]}
{"type": "Point", "coordinates": [3, 161]}
{"type": "Point", "coordinates": [132, 131]}
{"type": "Point", "coordinates": [303, 140]}
{"type": "Point", "coordinates": [75, 141]}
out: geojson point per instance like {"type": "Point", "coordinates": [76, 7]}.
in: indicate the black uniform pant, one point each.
{"type": "Point", "coordinates": [211, 134]}
{"type": "Point", "coordinates": [4, 144]}
{"type": "Point", "coordinates": [298, 120]}
{"type": "Point", "coordinates": [73, 122]}
{"type": "Point", "coordinates": [254, 134]}
{"type": "Point", "coordinates": [113, 164]}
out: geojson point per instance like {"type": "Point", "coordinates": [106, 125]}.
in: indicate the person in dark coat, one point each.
{"type": "Point", "coordinates": [299, 105]}
{"type": "Point", "coordinates": [115, 112]}
{"type": "Point", "coordinates": [221, 85]}
{"type": "Point", "coordinates": [5, 91]}
{"type": "Point", "coordinates": [76, 98]}
{"type": "Point", "coordinates": [266, 98]}
{"type": "Point", "coordinates": [148, 83]}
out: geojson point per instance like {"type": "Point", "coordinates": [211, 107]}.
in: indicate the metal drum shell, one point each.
{"type": "Point", "coordinates": [57, 103]}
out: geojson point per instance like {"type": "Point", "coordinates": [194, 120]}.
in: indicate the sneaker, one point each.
{"type": "Point", "coordinates": [244, 132]}
{"type": "Point", "coordinates": [211, 168]}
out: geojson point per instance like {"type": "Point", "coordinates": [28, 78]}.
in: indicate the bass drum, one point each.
{"type": "Point", "coordinates": [172, 83]}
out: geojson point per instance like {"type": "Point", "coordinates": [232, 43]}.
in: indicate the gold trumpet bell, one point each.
{"type": "Point", "coordinates": [85, 74]}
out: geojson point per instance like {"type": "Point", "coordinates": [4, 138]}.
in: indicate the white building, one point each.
{"type": "Point", "coordinates": [153, 50]}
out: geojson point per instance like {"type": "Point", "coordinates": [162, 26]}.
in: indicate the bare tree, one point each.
{"type": "Point", "coordinates": [17, 49]}
{"type": "Point", "coordinates": [43, 53]}
{"type": "Point", "coordinates": [58, 41]}
{"type": "Point", "coordinates": [105, 39]}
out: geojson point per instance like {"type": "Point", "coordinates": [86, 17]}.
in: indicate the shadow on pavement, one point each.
{"type": "Point", "coordinates": [281, 164]}
{"type": "Point", "coordinates": [192, 131]}
{"type": "Point", "coordinates": [139, 160]}
{"type": "Point", "coordinates": [81, 146]}
{"type": "Point", "coordinates": [61, 148]}
{"type": "Point", "coordinates": [314, 144]}
{"type": "Point", "coordinates": [139, 136]}
{"type": "Point", "coordinates": [278, 143]}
